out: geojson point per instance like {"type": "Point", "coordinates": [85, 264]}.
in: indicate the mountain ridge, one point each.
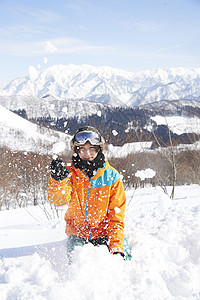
{"type": "Point", "coordinates": [107, 85]}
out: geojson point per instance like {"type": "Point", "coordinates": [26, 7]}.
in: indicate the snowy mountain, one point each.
{"type": "Point", "coordinates": [172, 105]}
{"type": "Point", "coordinates": [107, 85]}
{"type": "Point", "coordinates": [19, 134]}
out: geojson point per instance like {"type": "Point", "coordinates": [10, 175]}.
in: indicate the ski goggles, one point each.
{"type": "Point", "coordinates": [83, 137]}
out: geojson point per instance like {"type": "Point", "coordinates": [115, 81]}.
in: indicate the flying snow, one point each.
{"type": "Point", "coordinates": [114, 132]}
{"type": "Point", "coordinates": [99, 113]}
{"type": "Point", "coordinates": [49, 47]}
{"type": "Point", "coordinates": [147, 173]}
{"type": "Point", "coordinates": [117, 210]}
{"type": "Point", "coordinates": [65, 109]}
{"type": "Point", "coordinates": [59, 147]}
{"type": "Point", "coordinates": [33, 74]}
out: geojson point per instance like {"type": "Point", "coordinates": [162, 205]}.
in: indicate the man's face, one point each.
{"type": "Point", "coordinates": [87, 152]}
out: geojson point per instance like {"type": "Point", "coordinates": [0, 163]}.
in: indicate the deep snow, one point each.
{"type": "Point", "coordinates": [164, 235]}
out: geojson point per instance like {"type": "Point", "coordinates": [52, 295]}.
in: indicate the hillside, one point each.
{"type": "Point", "coordinates": [123, 125]}
{"type": "Point", "coordinates": [65, 97]}
{"type": "Point", "coordinates": [50, 106]}
{"type": "Point", "coordinates": [18, 134]}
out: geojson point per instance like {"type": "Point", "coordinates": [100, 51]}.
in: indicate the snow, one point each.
{"type": "Point", "coordinates": [147, 173]}
{"type": "Point", "coordinates": [117, 210]}
{"type": "Point", "coordinates": [128, 148]}
{"type": "Point", "coordinates": [33, 74]}
{"type": "Point", "coordinates": [50, 106]}
{"type": "Point", "coordinates": [107, 85]}
{"type": "Point", "coordinates": [114, 132]}
{"type": "Point", "coordinates": [178, 124]}
{"type": "Point", "coordinates": [22, 135]}
{"type": "Point", "coordinates": [49, 47]}
{"type": "Point", "coordinates": [164, 234]}
{"type": "Point", "coordinates": [59, 147]}
{"type": "Point", "coordinates": [99, 113]}
{"type": "Point", "coordinates": [165, 244]}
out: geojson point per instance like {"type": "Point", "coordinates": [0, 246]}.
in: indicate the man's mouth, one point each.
{"type": "Point", "coordinates": [87, 158]}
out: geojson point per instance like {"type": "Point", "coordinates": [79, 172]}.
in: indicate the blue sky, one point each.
{"type": "Point", "coordinates": [132, 35]}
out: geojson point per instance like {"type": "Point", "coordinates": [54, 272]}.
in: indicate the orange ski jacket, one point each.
{"type": "Point", "coordinates": [96, 206]}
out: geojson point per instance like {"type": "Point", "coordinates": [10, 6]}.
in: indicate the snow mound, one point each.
{"type": "Point", "coordinates": [165, 261]}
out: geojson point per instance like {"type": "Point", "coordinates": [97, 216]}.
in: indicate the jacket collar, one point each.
{"type": "Point", "coordinates": [99, 173]}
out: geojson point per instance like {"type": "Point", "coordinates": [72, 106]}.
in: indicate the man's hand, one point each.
{"type": "Point", "coordinates": [58, 170]}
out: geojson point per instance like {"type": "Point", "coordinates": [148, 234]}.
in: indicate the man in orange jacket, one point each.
{"type": "Point", "coordinates": [93, 191]}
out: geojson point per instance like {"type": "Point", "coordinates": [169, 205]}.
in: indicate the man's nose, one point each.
{"type": "Point", "coordinates": [87, 151]}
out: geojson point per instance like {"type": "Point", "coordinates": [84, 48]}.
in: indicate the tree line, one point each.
{"type": "Point", "coordinates": [24, 175]}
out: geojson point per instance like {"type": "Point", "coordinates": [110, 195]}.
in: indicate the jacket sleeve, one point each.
{"type": "Point", "coordinates": [59, 192]}
{"type": "Point", "coordinates": [116, 213]}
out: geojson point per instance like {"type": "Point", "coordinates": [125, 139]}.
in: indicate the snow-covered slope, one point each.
{"type": "Point", "coordinates": [179, 125]}
{"type": "Point", "coordinates": [19, 134]}
{"type": "Point", "coordinates": [107, 85]}
{"type": "Point", "coordinates": [172, 105]}
{"type": "Point", "coordinates": [164, 235]}
{"type": "Point", "coordinates": [50, 106]}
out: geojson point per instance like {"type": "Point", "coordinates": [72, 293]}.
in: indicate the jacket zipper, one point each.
{"type": "Point", "coordinates": [86, 212]}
